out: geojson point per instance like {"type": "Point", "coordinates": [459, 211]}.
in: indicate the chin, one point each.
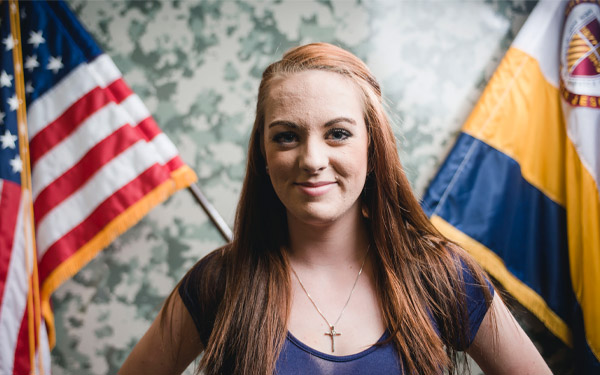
{"type": "Point", "coordinates": [312, 216]}
{"type": "Point", "coordinates": [314, 219]}
{"type": "Point", "coordinates": [319, 221]}
{"type": "Point", "coordinates": [321, 216]}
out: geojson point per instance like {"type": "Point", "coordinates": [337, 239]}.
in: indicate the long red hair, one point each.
{"type": "Point", "coordinates": [417, 271]}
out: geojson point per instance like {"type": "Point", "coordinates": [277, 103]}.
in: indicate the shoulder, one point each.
{"type": "Point", "coordinates": [202, 289]}
{"type": "Point", "coordinates": [473, 280]}
{"type": "Point", "coordinates": [477, 298]}
{"type": "Point", "coordinates": [473, 294]}
{"type": "Point", "coordinates": [209, 269]}
{"type": "Point", "coordinates": [469, 277]}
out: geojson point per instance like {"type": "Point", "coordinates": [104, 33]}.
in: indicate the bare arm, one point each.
{"type": "Point", "coordinates": [510, 351]}
{"type": "Point", "coordinates": [169, 349]}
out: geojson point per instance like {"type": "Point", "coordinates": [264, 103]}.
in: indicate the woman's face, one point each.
{"type": "Point", "coordinates": [316, 142]}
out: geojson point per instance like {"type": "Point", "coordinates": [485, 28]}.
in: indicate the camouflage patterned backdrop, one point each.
{"type": "Point", "coordinates": [197, 64]}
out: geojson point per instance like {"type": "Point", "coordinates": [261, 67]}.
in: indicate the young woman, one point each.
{"type": "Point", "coordinates": [334, 268]}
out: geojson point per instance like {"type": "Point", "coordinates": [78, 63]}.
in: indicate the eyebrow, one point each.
{"type": "Point", "coordinates": [329, 123]}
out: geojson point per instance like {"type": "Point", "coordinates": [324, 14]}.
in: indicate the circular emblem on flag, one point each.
{"type": "Point", "coordinates": [580, 54]}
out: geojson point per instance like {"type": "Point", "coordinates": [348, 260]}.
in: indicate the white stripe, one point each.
{"type": "Point", "coordinates": [14, 300]}
{"type": "Point", "coordinates": [92, 131]}
{"type": "Point", "coordinates": [67, 153]}
{"type": "Point", "coordinates": [1, 186]}
{"type": "Point", "coordinates": [583, 130]}
{"type": "Point", "coordinates": [540, 37]}
{"type": "Point", "coordinates": [44, 350]}
{"type": "Point", "coordinates": [105, 70]}
{"type": "Point", "coordinates": [138, 112]}
{"type": "Point", "coordinates": [48, 107]}
{"type": "Point", "coordinates": [73, 210]}
{"type": "Point", "coordinates": [164, 148]}
{"type": "Point", "coordinates": [134, 106]}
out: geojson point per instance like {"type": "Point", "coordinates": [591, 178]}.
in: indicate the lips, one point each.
{"type": "Point", "coordinates": [315, 189]}
{"type": "Point", "coordinates": [315, 184]}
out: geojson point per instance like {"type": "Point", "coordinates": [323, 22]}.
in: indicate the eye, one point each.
{"type": "Point", "coordinates": [285, 138]}
{"type": "Point", "coordinates": [338, 134]}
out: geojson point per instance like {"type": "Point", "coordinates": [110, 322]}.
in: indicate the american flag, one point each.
{"type": "Point", "coordinates": [98, 164]}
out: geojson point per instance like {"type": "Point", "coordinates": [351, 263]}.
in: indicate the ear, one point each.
{"type": "Point", "coordinates": [365, 211]}
{"type": "Point", "coordinates": [364, 207]}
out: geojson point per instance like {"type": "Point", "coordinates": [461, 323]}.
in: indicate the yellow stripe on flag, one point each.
{"type": "Point", "coordinates": [583, 228]}
{"type": "Point", "coordinates": [520, 115]}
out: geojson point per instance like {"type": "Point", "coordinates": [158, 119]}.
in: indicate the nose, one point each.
{"type": "Point", "coordinates": [313, 156]}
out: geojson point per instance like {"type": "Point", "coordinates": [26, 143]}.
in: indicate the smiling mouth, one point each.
{"type": "Point", "coordinates": [315, 189]}
{"type": "Point", "coordinates": [315, 184]}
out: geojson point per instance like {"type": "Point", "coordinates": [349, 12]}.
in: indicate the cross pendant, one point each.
{"type": "Point", "coordinates": [332, 333]}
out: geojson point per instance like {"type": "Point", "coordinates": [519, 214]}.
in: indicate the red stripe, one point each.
{"type": "Point", "coordinates": [102, 215]}
{"type": "Point", "coordinates": [174, 164]}
{"type": "Point", "coordinates": [98, 156]}
{"type": "Point", "coordinates": [22, 363]}
{"type": "Point", "coordinates": [149, 127]}
{"type": "Point", "coordinates": [10, 199]}
{"type": "Point", "coordinates": [72, 118]}
{"type": "Point", "coordinates": [119, 90]}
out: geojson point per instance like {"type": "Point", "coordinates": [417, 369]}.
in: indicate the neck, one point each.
{"type": "Point", "coordinates": [340, 242]}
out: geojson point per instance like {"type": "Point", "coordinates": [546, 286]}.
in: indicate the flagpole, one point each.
{"type": "Point", "coordinates": [212, 213]}
{"type": "Point", "coordinates": [33, 298]}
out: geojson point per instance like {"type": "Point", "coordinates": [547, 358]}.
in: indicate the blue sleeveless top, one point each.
{"type": "Point", "coordinates": [298, 358]}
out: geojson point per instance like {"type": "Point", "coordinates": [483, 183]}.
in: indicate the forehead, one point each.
{"type": "Point", "coordinates": [314, 95]}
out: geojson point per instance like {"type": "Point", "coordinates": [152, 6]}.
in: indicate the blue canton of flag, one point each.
{"type": "Point", "coordinates": [10, 160]}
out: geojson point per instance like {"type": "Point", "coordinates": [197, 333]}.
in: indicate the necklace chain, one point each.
{"type": "Point", "coordinates": [332, 332]}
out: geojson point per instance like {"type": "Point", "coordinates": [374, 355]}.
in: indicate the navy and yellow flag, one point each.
{"type": "Point", "coordinates": [519, 190]}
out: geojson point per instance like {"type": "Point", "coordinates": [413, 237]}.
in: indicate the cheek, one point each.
{"type": "Point", "coordinates": [280, 165]}
{"type": "Point", "coordinates": [352, 168]}
{"type": "Point", "coordinates": [355, 161]}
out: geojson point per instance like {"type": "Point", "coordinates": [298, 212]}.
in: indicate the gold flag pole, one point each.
{"type": "Point", "coordinates": [33, 295]}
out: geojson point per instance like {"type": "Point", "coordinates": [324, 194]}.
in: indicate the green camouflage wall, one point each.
{"type": "Point", "coordinates": [197, 64]}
